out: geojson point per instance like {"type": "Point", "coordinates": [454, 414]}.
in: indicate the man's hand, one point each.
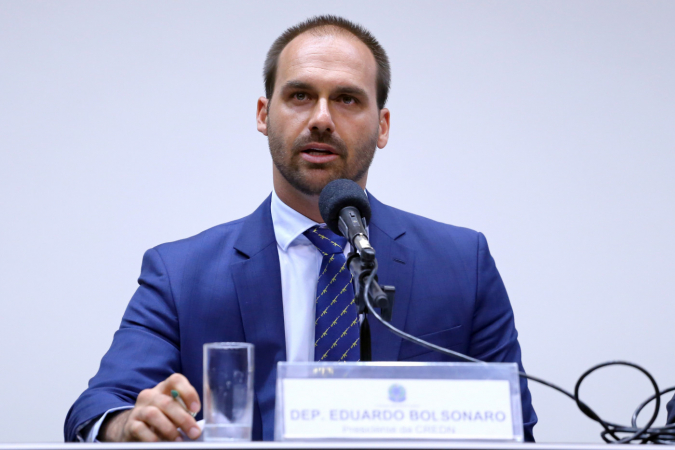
{"type": "Point", "coordinates": [156, 415]}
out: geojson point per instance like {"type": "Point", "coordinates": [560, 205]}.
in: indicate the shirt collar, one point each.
{"type": "Point", "coordinates": [289, 224]}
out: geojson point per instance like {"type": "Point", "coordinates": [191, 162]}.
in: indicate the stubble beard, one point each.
{"type": "Point", "coordinates": [305, 176]}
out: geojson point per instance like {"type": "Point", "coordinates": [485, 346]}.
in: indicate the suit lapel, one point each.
{"type": "Point", "coordinates": [257, 277]}
{"type": "Point", "coordinates": [395, 267]}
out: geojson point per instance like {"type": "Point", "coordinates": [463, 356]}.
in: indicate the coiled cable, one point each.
{"type": "Point", "coordinates": [612, 433]}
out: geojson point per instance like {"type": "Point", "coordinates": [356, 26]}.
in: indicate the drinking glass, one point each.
{"type": "Point", "coordinates": [228, 391]}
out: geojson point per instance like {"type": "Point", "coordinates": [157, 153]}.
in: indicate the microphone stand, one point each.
{"type": "Point", "coordinates": [361, 266]}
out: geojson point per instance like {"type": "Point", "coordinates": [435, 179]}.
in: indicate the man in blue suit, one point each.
{"type": "Point", "coordinates": [254, 279]}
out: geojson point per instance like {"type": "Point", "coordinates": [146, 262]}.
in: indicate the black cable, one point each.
{"type": "Point", "coordinates": [611, 432]}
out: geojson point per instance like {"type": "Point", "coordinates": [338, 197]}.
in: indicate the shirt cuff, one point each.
{"type": "Point", "coordinates": [92, 435]}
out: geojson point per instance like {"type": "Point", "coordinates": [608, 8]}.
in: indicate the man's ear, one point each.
{"type": "Point", "coordinates": [261, 115]}
{"type": "Point", "coordinates": [383, 134]}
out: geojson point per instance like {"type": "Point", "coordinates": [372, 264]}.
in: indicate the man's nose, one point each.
{"type": "Point", "coordinates": [321, 120]}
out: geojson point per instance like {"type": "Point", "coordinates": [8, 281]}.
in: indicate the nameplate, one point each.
{"type": "Point", "coordinates": [329, 406]}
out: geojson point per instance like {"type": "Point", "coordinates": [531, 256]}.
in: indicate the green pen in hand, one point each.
{"type": "Point", "coordinates": [176, 396]}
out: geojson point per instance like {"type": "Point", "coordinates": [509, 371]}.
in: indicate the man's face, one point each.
{"type": "Point", "coordinates": [323, 122]}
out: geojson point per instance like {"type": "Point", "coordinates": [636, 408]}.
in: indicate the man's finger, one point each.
{"type": "Point", "coordinates": [145, 397]}
{"type": "Point", "coordinates": [158, 422]}
{"type": "Point", "coordinates": [177, 414]}
{"type": "Point", "coordinates": [186, 391]}
{"type": "Point", "coordinates": [139, 431]}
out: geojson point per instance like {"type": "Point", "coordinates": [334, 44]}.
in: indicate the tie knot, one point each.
{"type": "Point", "coordinates": [325, 240]}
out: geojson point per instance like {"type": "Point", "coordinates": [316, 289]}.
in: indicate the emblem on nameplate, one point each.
{"type": "Point", "coordinates": [396, 393]}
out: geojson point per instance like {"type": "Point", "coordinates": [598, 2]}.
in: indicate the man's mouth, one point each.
{"type": "Point", "coordinates": [318, 153]}
{"type": "Point", "coordinates": [319, 148]}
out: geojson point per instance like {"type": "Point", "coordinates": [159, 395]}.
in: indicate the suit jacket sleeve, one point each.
{"type": "Point", "coordinates": [494, 337]}
{"type": "Point", "coordinates": [145, 349]}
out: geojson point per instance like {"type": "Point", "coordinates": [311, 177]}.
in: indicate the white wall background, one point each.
{"type": "Point", "coordinates": [549, 126]}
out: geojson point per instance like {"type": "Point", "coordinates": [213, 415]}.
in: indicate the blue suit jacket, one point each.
{"type": "Point", "coordinates": [225, 285]}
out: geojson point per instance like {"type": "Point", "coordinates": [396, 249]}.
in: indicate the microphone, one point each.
{"type": "Point", "coordinates": [345, 208]}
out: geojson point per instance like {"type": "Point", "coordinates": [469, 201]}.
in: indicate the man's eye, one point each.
{"type": "Point", "coordinates": [300, 96]}
{"type": "Point", "coordinates": [347, 100]}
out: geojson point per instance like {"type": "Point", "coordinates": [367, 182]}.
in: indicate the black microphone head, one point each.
{"type": "Point", "coordinates": [339, 194]}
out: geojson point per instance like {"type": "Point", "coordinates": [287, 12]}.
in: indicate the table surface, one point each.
{"type": "Point", "coordinates": [402, 445]}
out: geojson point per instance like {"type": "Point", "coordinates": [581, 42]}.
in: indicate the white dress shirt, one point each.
{"type": "Point", "coordinates": [300, 262]}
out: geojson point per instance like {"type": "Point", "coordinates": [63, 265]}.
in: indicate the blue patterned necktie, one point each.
{"type": "Point", "coordinates": [336, 333]}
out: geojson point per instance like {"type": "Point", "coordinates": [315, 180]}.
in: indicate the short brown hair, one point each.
{"type": "Point", "coordinates": [327, 21]}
